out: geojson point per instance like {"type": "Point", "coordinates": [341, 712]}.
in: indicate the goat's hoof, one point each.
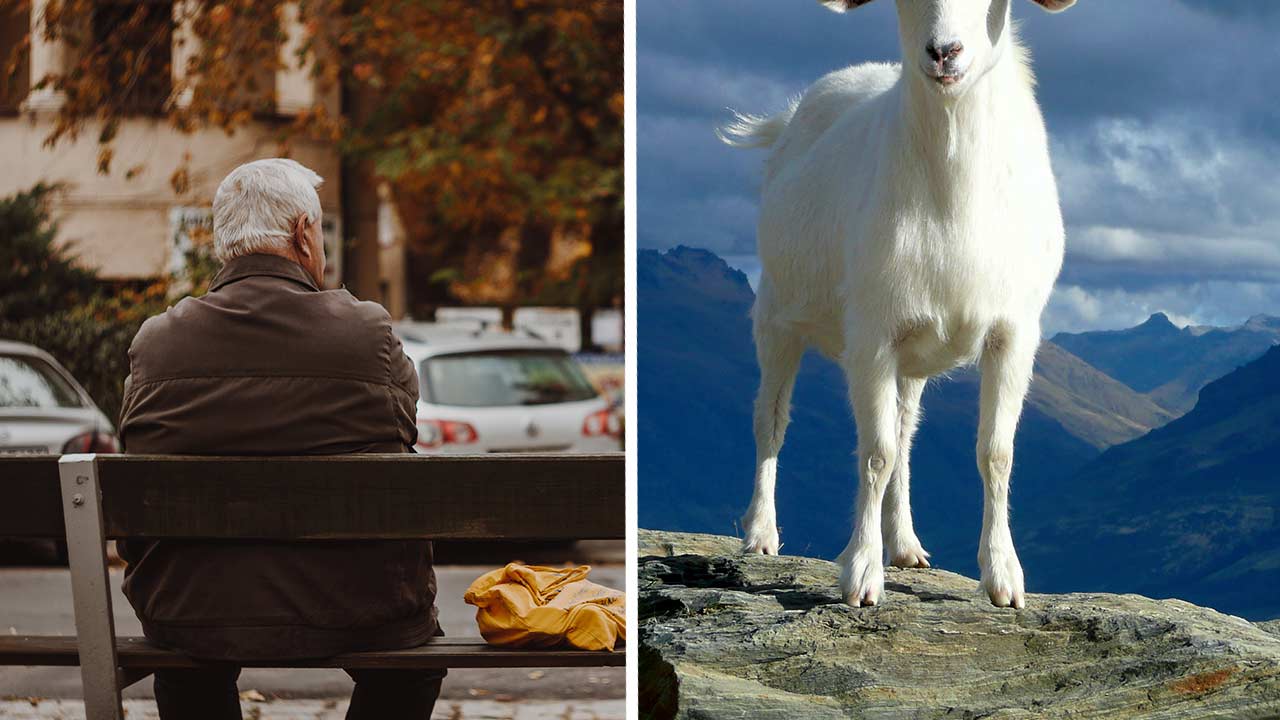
{"type": "Point", "coordinates": [761, 542]}
{"type": "Point", "coordinates": [911, 560]}
{"type": "Point", "coordinates": [1002, 598]}
{"type": "Point", "coordinates": [862, 579]}
{"type": "Point", "coordinates": [909, 555]}
{"type": "Point", "coordinates": [1003, 583]}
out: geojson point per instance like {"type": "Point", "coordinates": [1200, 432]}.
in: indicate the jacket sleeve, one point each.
{"type": "Point", "coordinates": [123, 419]}
{"type": "Point", "coordinates": [404, 381]}
{"type": "Point", "coordinates": [128, 411]}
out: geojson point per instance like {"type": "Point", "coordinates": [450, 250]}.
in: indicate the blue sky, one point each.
{"type": "Point", "coordinates": [1164, 120]}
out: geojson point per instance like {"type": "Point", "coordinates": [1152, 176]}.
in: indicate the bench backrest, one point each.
{"type": "Point", "coordinates": [458, 497]}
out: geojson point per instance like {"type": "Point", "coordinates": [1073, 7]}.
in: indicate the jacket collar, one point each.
{"type": "Point", "coordinates": [239, 268]}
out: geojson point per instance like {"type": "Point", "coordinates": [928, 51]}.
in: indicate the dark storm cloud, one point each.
{"type": "Point", "coordinates": [1163, 117]}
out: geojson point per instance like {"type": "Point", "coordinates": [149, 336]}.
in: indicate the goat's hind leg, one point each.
{"type": "Point", "coordinates": [899, 532]}
{"type": "Point", "coordinates": [778, 352]}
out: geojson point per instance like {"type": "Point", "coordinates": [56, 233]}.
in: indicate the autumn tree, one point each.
{"type": "Point", "coordinates": [498, 122]}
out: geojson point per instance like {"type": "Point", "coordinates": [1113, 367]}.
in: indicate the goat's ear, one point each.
{"type": "Point", "coordinates": [1055, 5]}
{"type": "Point", "coordinates": [843, 5]}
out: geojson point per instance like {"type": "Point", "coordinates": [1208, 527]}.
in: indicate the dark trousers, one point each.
{"type": "Point", "coordinates": [211, 694]}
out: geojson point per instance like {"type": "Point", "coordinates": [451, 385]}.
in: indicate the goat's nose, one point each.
{"type": "Point", "coordinates": [941, 52]}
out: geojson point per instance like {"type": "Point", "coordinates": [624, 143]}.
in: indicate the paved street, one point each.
{"type": "Point", "coordinates": [335, 710]}
{"type": "Point", "coordinates": [38, 601]}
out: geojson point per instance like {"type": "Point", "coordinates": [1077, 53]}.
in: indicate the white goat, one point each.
{"type": "Point", "coordinates": [909, 225]}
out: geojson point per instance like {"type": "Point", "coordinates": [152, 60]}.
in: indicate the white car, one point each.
{"type": "Point", "coordinates": [487, 392]}
{"type": "Point", "coordinates": [43, 410]}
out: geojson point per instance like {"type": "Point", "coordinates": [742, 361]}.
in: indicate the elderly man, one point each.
{"type": "Point", "coordinates": [268, 363]}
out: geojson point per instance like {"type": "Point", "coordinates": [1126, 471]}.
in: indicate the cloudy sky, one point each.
{"type": "Point", "coordinates": [1164, 119]}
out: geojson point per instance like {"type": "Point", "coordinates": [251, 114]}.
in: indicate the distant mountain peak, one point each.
{"type": "Point", "coordinates": [1170, 364]}
{"type": "Point", "coordinates": [1159, 322]}
{"type": "Point", "coordinates": [707, 271]}
{"type": "Point", "coordinates": [1262, 323]}
{"type": "Point", "coordinates": [684, 251]}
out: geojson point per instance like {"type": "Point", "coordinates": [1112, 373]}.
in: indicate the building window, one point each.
{"type": "Point", "coordinates": [15, 71]}
{"type": "Point", "coordinates": [136, 40]}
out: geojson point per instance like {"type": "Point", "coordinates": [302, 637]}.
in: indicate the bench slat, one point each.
{"type": "Point", "coordinates": [138, 653]}
{"type": "Point", "coordinates": [339, 497]}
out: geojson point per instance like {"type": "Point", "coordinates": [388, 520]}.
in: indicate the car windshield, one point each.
{"type": "Point", "coordinates": [28, 382]}
{"type": "Point", "coordinates": [504, 377]}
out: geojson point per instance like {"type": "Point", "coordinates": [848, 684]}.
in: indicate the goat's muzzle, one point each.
{"type": "Point", "coordinates": [945, 57]}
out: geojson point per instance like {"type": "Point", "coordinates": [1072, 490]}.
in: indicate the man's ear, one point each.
{"type": "Point", "coordinates": [1054, 5]}
{"type": "Point", "coordinates": [298, 238]}
{"type": "Point", "coordinates": [843, 5]}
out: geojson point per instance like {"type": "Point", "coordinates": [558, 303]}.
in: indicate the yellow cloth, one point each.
{"type": "Point", "coordinates": [542, 607]}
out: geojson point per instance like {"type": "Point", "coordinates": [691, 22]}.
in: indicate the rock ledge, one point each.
{"type": "Point", "coordinates": [730, 636]}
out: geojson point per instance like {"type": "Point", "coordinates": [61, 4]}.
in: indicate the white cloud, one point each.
{"type": "Point", "coordinates": [1165, 200]}
{"type": "Point", "coordinates": [682, 83]}
{"type": "Point", "coordinates": [1154, 251]}
{"type": "Point", "coordinates": [1148, 158]}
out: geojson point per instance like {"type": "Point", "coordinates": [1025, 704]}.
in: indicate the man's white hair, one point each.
{"type": "Point", "coordinates": [256, 205]}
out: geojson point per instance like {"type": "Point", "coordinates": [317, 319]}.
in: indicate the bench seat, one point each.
{"type": "Point", "coordinates": [88, 499]}
{"type": "Point", "coordinates": [136, 653]}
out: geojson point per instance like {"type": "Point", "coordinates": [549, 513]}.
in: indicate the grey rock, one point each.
{"type": "Point", "coordinates": [729, 636]}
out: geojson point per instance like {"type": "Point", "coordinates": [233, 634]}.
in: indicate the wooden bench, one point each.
{"type": "Point", "coordinates": [89, 499]}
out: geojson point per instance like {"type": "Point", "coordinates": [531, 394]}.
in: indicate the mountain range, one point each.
{"type": "Point", "coordinates": [1191, 510]}
{"type": "Point", "coordinates": [1170, 364]}
{"type": "Point", "coordinates": [698, 378]}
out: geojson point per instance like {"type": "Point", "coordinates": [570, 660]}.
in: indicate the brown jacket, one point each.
{"type": "Point", "coordinates": [267, 364]}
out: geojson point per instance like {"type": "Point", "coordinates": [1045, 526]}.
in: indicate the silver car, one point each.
{"type": "Point", "coordinates": [43, 410]}
{"type": "Point", "coordinates": [487, 392]}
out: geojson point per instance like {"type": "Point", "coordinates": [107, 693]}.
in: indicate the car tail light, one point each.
{"type": "Point", "coordinates": [92, 442]}
{"type": "Point", "coordinates": [603, 422]}
{"type": "Point", "coordinates": [435, 433]}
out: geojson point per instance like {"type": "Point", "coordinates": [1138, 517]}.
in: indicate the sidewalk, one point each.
{"type": "Point", "coordinates": [334, 710]}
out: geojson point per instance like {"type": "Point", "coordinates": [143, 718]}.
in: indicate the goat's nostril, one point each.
{"type": "Point", "coordinates": [941, 52]}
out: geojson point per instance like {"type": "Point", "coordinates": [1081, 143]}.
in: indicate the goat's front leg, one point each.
{"type": "Point", "coordinates": [873, 388]}
{"type": "Point", "coordinates": [1007, 362]}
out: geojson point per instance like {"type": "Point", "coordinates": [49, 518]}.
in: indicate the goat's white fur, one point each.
{"type": "Point", "coordinates": [906, 228]}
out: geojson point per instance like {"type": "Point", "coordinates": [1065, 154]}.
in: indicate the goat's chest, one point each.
{"type": "Point", "coordinates": [939, 287]}
{"type": "Point", "coordinates": [966, 258]}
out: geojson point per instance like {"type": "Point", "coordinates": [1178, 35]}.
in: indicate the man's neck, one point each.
{"type": "Point", "coordinates": [292, 256]}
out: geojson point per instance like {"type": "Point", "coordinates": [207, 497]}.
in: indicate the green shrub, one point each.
{"type": "Point", "coordinates": [48, 300]}
{"type": "Point", "coordinates": [36, 276]}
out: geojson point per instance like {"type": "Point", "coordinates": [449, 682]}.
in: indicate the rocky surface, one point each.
{"type": "Point", "coordinates": [753, 637]}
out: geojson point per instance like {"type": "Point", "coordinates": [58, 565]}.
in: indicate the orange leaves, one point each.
{"type": "Point", "coordinates": [105, 154]}
{"type": "Point", "coordinates": [180, 180]}
{"type": "Point", "coordinates": [219, 14]}
{"type": "Point", "coordinates": [487, 114]}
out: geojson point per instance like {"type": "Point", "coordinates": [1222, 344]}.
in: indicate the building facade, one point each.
{"type": "Point", "coordinates": [131, 223]}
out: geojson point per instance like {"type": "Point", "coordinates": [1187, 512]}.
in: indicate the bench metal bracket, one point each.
{"type": "Point", "coordinates": [90, 586]}
{"type": "Point", "coordinates": [129, 676]}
